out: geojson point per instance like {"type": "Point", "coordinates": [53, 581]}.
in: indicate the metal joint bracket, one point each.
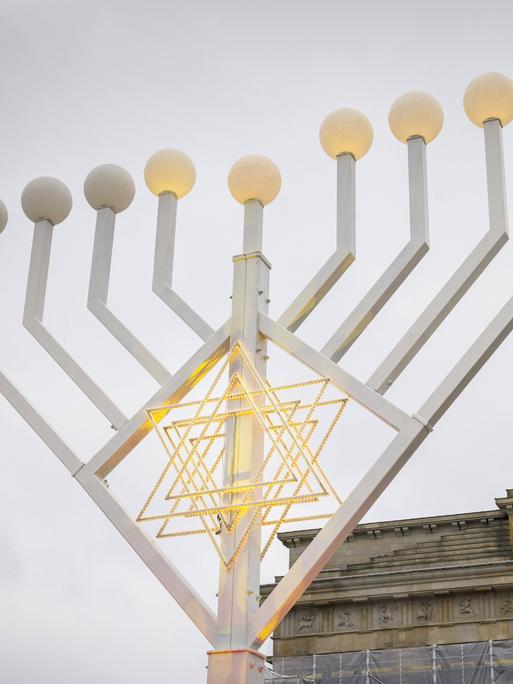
{"type": "Point", "coordinates": [252, 255]}
{"type": "Point", "coordinates": [423, 422]}
{"type": "Point", "coordinates": [76, 472]}
{"type": "Point", "coordinates": [233, 666]}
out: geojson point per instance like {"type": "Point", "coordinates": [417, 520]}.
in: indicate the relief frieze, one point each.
{"type": "Point", "coordinates": [401, 612]}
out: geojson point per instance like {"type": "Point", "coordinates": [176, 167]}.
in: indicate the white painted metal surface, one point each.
{"type": "Point", "coordinates": [400, 268]}
{"type": "Point", "coordinates": [149, 551]}
{"type": "Point", "coordinates": [33, 321]}
{"type": "Point", "coordinates": [239, 586]}
{"type": "Point", "coordinates": [135, 429]}
{"type": "Point", "coordinates": [340, 260]}
{"type": "Point", "coordinates": [470, 363]}
{"type": "Point", "coordinates": [463, 278]}
{"type": "Point", "coordinates": [36, 421]}
{"type": "Point", "coordinates": [163, 267]}
{"type": "Point", "coordinates": [347, 383]}
{"type": "Point", "coordinates": [99, 292]}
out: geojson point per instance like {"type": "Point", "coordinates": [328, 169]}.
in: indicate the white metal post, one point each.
{"type": "Point", "coordinates": [99, 292]}
{"type": "Point", "coordinates": [33, 322]}
{"type": "Point", "coordinates": [163, 267]}
{"type": "Point", "coordinates": [464, 276]}
{"type": "Point", "coordinates": [400, 268]}
{"type": "Point", "coordinates": [239, 584]}
{"type": "Point", "coordinates": [340, 260]}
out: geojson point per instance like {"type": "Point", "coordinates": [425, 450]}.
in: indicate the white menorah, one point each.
{"type": "Point", "coordinates": [234, 508]}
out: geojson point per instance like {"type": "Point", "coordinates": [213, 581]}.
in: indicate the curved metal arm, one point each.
{"type": "Point", "coordinates": [33, 317]}
{"type": "Point", "coordinates": [404, 263]}
{"type": "Point", "coordinates": [99, 292]}
{"type": "Point", "coordinates": [435, 313]}
{"type": "Point", "coordinates": [163, 267]}
{"type": "Point", "coordinates": [340, 260]}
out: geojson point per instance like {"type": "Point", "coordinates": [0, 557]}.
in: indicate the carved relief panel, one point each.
{"type": "Point", "coordinates": [345, 618]}
{"type": "Point", "coordinates": [466, 607]}
{"type": "Point", "coordinates": [423, 611]}
{"type": "Point", "coordinates": [385, 614]}
{"type": "Point", "coordinates": [307, 621]}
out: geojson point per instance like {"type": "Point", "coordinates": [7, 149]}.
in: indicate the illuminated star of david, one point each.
{"type": "Point", "coordinates": [193, 479]}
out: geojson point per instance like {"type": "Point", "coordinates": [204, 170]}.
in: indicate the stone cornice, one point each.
{"type": "Point", "coordinates": [375, 529]}
{"type": "Point", "coordinates": [346, 587]}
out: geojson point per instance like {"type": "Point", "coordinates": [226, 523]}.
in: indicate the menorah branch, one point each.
{"type": "Point", "coordinates": [99, 292]}
{"type": "Point", "coordinates": [463, 278]}
{"type": "Point", "coordinates": [33, 321]}
{"type": "Point", "coordinates": [335, 267]}
{"type": "Point", "coordinates": [163, 267]}
{"type": "Point", "coordinates": [401, 267]}
{"type": "Point", "coordinates": [135, 429]}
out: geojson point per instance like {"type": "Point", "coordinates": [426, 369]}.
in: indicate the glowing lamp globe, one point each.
{"type": "Point", "coordinates": [111, 186]}
{"type": "Point", "coordinates": [3, 216]}
{"type": "Point", "coordinates": [46, 198]}
{"type": "Point", "coordinates": [169, 171]}
{"type": "Point", "coordinates": [489, 96]}
{"type": "Point", "coordinates": [254, 177]}
{"type": "Point", "coordinates": [416, 114]}
{"type": "Point", "coordinates": [346, 131]}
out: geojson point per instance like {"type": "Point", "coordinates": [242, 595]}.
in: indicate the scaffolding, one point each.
{"type": "Point", "coordinates": [484, 662]}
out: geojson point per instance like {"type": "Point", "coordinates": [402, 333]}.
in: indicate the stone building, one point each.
{"type": "Point", "coordinates": [405, 601]}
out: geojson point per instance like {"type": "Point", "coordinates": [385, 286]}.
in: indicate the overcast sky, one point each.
{"type": "Point", "coordinates": [85, 83]}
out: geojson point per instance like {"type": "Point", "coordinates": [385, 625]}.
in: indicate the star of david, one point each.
{"type": "Point", "coordinates": [192, 487]}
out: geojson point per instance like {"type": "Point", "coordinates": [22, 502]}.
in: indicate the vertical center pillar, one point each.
{"type": "Point", "coordinates": [239, 584]}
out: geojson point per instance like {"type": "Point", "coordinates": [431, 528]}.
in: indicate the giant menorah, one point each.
{"type": "Point", "coordinates": [244, 458]}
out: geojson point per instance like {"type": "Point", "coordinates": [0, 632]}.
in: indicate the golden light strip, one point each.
{"type": "Point", "coordinates": [287, 508]}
